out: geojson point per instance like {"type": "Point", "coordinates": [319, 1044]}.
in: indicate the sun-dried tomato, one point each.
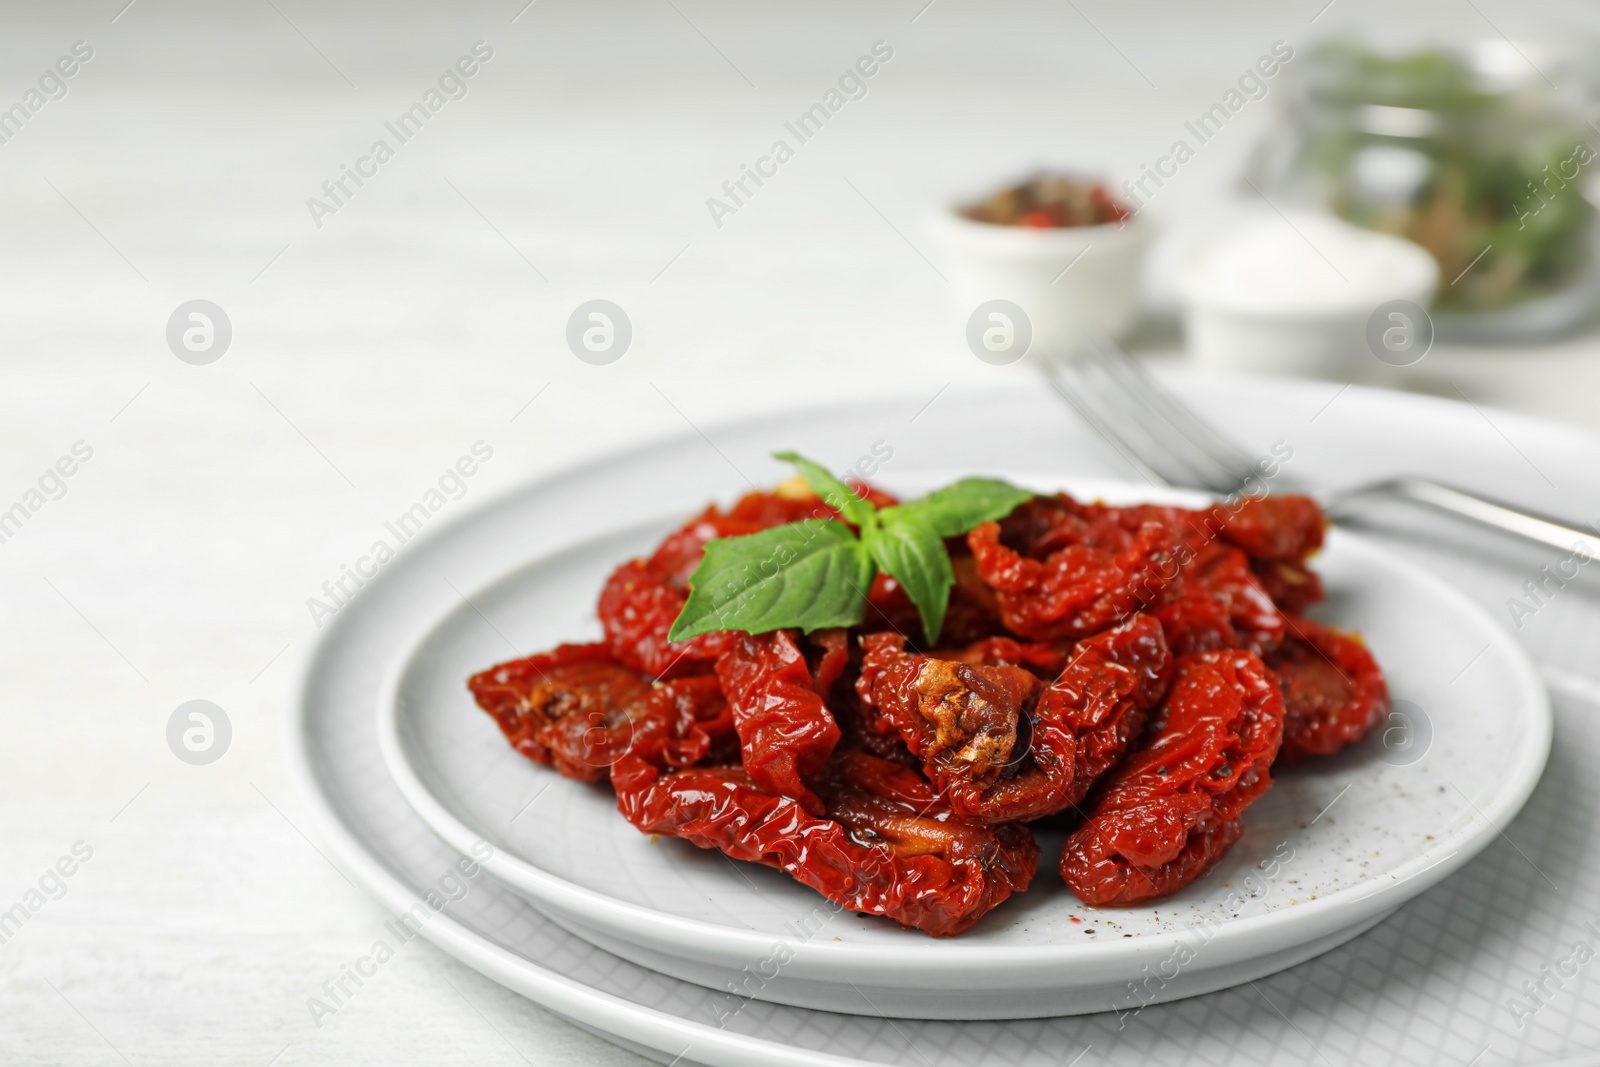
{"type": "Point", "coordinates": [1272, 527]}
{"type": "Point", "coordinates": [997, 742]}
{"type": "Point", "coordinates": [678, 724]}
{"type": "Point", "coordinates": [1333, 691]}
{"type": "Point", "coordinates": [637, 610]}
{"type": "Point", "coordinates": [861, 727]}
{"type": "Point", "coordinates": [1221, 573]}
{"type": "Point", "coordinates": [873, 852]}
{"type": "Point", "coordinates": [785, 729]}
{"type": "Point", "coordinates": [1077, 590]}
{"type": "Point", "coordinates": [883, 777]}
{"type": "Point", "coordinates": [578, 710]}
{"type": "Point", "coordinates": [1170, 810]}
{"type": "Point", "coordinates": [1044, 658]}
{"type": "Point", "coordinates": [961, 721]}
{"type": "Point", "coordinates": [1047, 524]}
{"type": "Point", "coordinates": [1197, 622]}
{"type": "Point", "coordinates": [1101, 700]}
{"type": "Point", "coordinates": [1293, 586]}
{"type": "Point", "coordinates": [539, 699]}
{"type": "Point", "coordinates": [829, 655]}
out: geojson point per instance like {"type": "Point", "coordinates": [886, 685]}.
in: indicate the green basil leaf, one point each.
{"type": "Point", "coordinates": [964, 506]}
{"type": "Point", "coordinates": [912, 552]}
{"type": "Point", "coordinates": [808, 574]}
{"type": "Point", "coordinates": [837, 495]}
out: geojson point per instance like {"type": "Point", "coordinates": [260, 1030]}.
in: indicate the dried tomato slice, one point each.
{"type": "Point", "coordinates": [828, 652]}
{"type": "Point", "coordinates": [1046, 524]}
{"type": "Point", "coordinates": [637, 610]}
{"type": "Point", "coordinates": [1197, 622]}
{"type": "Point", "coordinates": [1045, 658]}
{"type": "Point", "coordinates": [676, 724]}
{"type": "Point", "coordinates": [997, 742]}
{"type": "Point", "coordinates": [1240, 615]}
{"type": "Point", "coordinates": [960, 720]}
{"type": "Point", "coordinates": [1103, 877]}
{"type": "Point", "coordinates": [1079, 589]}
{"type": "Point", "coordinates": [539, 700]}
{"type": "Point", "coordinates": [873, 853]}
{"type": "Point", "coordinates": [1272, 527]}
{"type": "Point", "coordinates": [785, 730]}
{"type": "Point", "coordinates": [883, 777]}
{"type": "Point", "coordinates": [1101, 699]}
{"type": "Point", "coordinates": [1333, 690]}
{"type": "Point", "coordinates": [578, 710]}
{"type": "Point", "coordinates": [1293, 586]}
{"type": "Point", "coordinates": [1171, 809]}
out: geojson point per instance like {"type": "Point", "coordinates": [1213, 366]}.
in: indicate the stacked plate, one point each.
{"type": "Point", "coordinates": [676, 952]}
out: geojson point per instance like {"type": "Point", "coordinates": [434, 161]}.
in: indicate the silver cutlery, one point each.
{"type": "Point", "coordinates": [1168, 443]}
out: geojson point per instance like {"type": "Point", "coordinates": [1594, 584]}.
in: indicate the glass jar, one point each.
{"type": "Point", "coordinates": [1472, 155]}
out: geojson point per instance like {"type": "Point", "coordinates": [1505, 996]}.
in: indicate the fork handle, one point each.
{"type": "Point", "coordinates": [1492, 513]}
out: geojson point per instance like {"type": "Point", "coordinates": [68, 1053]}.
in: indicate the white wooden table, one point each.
{"type": "Point", "coordinates": [424, 315]}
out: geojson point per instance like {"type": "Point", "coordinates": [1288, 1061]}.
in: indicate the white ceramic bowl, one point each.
{"type": "Point", "coordinates": [1297, 301]}
{"type": "Point", "coordinates": [1072, 282]}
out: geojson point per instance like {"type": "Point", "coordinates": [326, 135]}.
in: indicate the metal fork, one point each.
{"type": "Point", "coordinates": [1171, 445]}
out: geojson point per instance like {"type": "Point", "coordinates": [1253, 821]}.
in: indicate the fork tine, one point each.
{"type": "Point", "coordinates": [1061, 381]}
{"type": "Point", "coordinates": [1158, 435]}
{"type": "Point", "coordinates": [1200, 434]}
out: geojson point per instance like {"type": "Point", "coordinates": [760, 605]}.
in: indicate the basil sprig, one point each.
{"type": "Point", "coordinates": [815, 573]}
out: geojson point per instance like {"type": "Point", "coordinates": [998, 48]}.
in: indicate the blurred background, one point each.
{"type": "Point", "coordinates": [367, 315]}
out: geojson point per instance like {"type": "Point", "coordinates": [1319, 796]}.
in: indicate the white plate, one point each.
{"type": "Point", "coordinates": [1332, 849]}
{"type": "Point", "coordinates": [1430, 982]}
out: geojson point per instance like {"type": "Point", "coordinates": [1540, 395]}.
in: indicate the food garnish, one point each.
{"type": "Point", "coordinates": [815, 573]}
